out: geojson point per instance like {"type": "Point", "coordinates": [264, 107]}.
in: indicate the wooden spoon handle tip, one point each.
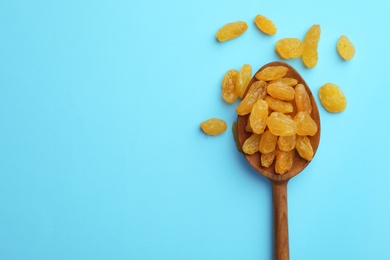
{"type": "Point", "coordinates": [281, 244]}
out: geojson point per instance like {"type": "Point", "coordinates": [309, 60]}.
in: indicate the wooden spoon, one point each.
{"type": "Point", "coordinates": [279, 182]}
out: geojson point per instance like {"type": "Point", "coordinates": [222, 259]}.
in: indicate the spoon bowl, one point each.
{"type": "Point", "coordinates": [279, 182]}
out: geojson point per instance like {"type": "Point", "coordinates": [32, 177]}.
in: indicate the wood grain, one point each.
{"type": "Point", "coordinates": [281, 242]}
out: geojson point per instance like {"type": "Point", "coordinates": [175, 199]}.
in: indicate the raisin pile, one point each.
{"type": "Point", "coordinates": [279, 120]}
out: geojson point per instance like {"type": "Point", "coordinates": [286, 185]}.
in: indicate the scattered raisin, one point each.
{"type": "Point", "coordinates": [231, 30]}
{"type": "Point", "coordinates": [244, 76]}
{"type": "Point", "coordinates": [265, 25]}
{"type": "Point", "coordinates": [229, 86]}
{"type": "Point", "coordinates": [310, 46]}
{"type": "Point", "coordinates": [213, 126]}
{"type": "Point", "coordinates": [332, 98]}
{"type": "Point", "coordinates": [345, 48]}
{"type": "Point", "coordinates": [289, 48]}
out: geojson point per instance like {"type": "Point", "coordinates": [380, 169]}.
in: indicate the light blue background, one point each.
{"type": "Point", "coordinates": [101, 156]}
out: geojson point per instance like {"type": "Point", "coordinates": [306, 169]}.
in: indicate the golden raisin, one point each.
{"type": "Point", "coordinates": [284, 161]}
{"type": "Point", "coordinates": [231, 30]}
{"type": "Point", "coordinates": [251, 145]}
{"type": "Point", "coordinates": [281, 91]}
{"type": "Point", "coordinates": [285, 81]}
{"type": "Point", "coordinates": [302, 99]}
{"type": "Point", "coordinates": [304, 148]}
{"type": "Point", "coordinates": [258, 116]}
{"type": "Point", "coordinates": [265, 25]}
{"type": "Point", "coordinates": [267, 159]}
{"type": "Point", "coordinates": [305, 124]}
{"type": "Point", "coordinates": [277, 139]}
{"type": "Point", "coordinates": [244, 76]}
{"type": "Point", "coordinates": [289, 48]}
{"type": "Point", "coordinates": [345, 48]}
{"type": "Point", "coordinates": [281, 125]}
{"type": "Point", "coordinates": [256, 91]}
{"type": "Point", "coordinates": [310, 46]}
{"type": "Point", "coordinates": [267, 142]}
{"type": "Point", "coordinates": [286, 143]}
{"type": "Point", "coordinates": [229, 86]}
{"type": "Point", "coordinates": [213, 126]}
{"type": "Point", "coordinates": [279, 105]}
{"type": "Point", "coordinates": [272, 73]}
{"type": "Point", "coordinates": [332, 98]}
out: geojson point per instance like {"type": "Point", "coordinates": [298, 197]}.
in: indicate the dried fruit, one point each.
{"type": "Point", "coordinates": [272, 73]}
{"type": "Point", "coordinates": [259, 116]}
{"type": "Point", "coordinates": [256, 91]}
{"type": "Point", "coordinates": [266, 159]}
{"type": "Point", "coordinates": [285, 81]}
{"type": "Point", "coordinates": [244, 76]}
{"type": "Point", "coordinates": [251, 145]}
{"type": "Point", "coordinates": [279, 105]}
{"type": "Point", "coordinates": [267, 142]}
{"type": "Point", "coordinates": [289, 48]}
{"type": "Point", "coordinates": [332, 98]}
{"type": "Point", "coordinates": [281, 125]}
{"type": "Point", "coordinates": [213, 126]}
{"type": "Point", "coordinates": [277, 138]}
{"type": "Point", "coordinates": [310, 46]}
{"type": "Point", "coordinates": [229, 86]}
{"type": "Point", "coordinates": [302, 99]}
{"type": "Point", "coordinates": [281, 91]}
{"type": "Point", "coordinates": [286, 143]}
{"type": "Point", "coordinates": [345, 48]}
{"type": "Point", "coordinates": [231, 30]}
{"type": "Point", "coordinates": [305, 124]}
{"type": "Point", "coordinates": [265, 24]}
{"type": "Point", "coordinates": [284, 161]}
{"type": "Point", "coordinates": [304, 148]}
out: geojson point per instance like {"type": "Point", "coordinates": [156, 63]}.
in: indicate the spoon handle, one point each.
{"type": "Point", "coordinates": [279, 197]}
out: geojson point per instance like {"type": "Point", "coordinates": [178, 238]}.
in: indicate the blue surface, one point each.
{"type": "Point", "coordinates": [101, 156]}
